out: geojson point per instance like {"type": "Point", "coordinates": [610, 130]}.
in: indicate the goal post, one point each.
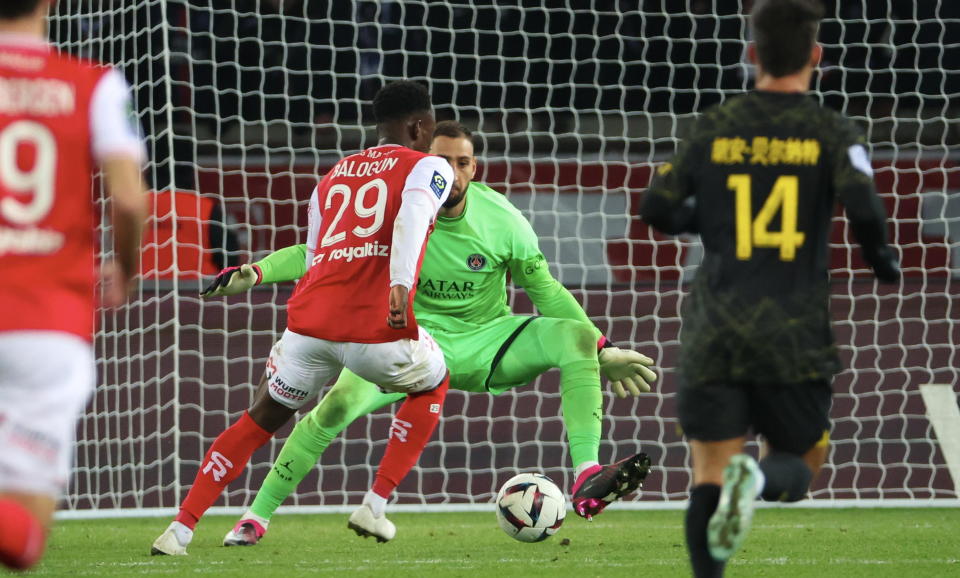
{"type": "Point", "coordinates": [244, 104]}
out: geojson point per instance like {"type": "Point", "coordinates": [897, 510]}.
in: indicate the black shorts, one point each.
{"type": "Point", "coordinates": [793, 418]}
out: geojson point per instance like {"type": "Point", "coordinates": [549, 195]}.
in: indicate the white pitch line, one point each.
{"type": "Point", "coordinates": [943, 413]}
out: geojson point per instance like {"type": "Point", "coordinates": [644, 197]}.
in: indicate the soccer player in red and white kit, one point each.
{"type": "Point", "coordinates": [369, 220]}
{"type": "Point", "coordinates": [59, 117]}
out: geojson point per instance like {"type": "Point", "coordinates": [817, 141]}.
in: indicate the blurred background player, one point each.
{"type": "Point", "coordinates": [369, 220]}
{"type": "Point", "coordinates": [59, 117]}
{"type": "Point", "coordinates": [479, 238]}
{"type": "Point", "coordinates": [758, 178]}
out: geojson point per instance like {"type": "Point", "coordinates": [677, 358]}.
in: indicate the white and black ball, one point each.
{"type": "Point", "coordinates": [530, 507]}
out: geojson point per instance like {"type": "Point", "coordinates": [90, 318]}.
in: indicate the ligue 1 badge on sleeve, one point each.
{"type": "Point", "coordinates": [476, 262]}
{"type": "Point", "coordinates": [437, 184]}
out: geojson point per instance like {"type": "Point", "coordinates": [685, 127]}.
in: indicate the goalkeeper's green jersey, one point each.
{"type": "Point", "coordinates": [463, 279]}
{"type": "Point", "coordinates": [462, 283]}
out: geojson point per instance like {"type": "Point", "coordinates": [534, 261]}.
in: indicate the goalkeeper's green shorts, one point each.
{"type": "Point", "coordinates": [473, 355]}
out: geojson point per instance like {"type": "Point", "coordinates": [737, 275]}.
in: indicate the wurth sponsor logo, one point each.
{"type": "Point", "coordinates": [218, 466]}
{"type": "Point", "coordinates": [35, 442]}
{"type": "Point", "coordinates": [280, 388]}
{"type": "Point", "coordinates": [399, 429]}
{"type": "Point", "coordinates": [348, 254]}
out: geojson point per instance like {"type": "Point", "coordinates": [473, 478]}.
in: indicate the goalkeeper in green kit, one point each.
{"type": "Point", "coordinates": [461, 298]}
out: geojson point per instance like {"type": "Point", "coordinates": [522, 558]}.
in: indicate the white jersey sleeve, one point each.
{"type": "Point", "coordinates": [313, 224]}
{"type": "Point", "coordinates": [426, 188]}
{"type": "Point", "coordinates": [113, 125]}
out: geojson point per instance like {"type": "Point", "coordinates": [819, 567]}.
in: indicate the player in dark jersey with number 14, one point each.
{"type": "Point", "coordinates": [757, 178]}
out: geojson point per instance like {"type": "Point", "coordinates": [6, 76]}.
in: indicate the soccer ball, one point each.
{"type": "Point", "coordinates": [530, 507]}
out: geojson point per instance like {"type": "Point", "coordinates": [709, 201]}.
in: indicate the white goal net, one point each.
{"type": "Point", "coordinates": [245, 103]}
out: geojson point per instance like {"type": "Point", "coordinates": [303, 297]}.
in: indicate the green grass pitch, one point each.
{"type": "Point", "coordinates": [784, 542]}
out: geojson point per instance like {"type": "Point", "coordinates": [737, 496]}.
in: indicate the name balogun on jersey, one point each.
{"type": "Point", "coordinates": [355, 168]}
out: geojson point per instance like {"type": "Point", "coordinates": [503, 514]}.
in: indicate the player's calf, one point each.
{"type": "Point", "coordinates": [787, 477]}
{"type": "Point", "coordinates": [224, 462]}
{"type": "Point", "coordinates": [599, 486]}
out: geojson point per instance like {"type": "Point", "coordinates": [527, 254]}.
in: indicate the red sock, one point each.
{"type": "Point", "coordinates": [411, 430]}
{"type": "Point", "coordinates": [22, 537]}
{"type": "Point", "coordinates": [224, 462]}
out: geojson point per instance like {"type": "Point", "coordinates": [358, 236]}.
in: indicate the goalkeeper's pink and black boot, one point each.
{"type": "Point", "coordinates": [599, 486]}
{"type": "Point", "coordinates": [247, 532]}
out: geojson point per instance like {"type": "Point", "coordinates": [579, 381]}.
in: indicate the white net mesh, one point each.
{"type": "Point", "coordinates": [245, 103]}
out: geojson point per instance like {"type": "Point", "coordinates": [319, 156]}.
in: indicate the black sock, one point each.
{"type": "Point", "coordinates": [703, 502]}
{"type": "Point", "coordinates": [788, 477]}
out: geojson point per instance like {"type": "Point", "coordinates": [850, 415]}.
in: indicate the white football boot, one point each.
{"type": "Point", "coordinates": [364, 523]}
{"type": "Point", "coordinates": [742, 483]}
{"type": "Point", "coordinates": [173, 541]}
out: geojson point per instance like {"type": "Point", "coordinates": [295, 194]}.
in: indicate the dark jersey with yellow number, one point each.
{"type": "Point", "coordinates": [758, 178]}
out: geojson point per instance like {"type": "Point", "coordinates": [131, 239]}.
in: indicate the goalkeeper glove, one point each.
{"type": "Point", "coordinates": [233, 280]}
{"type": "Point", "coordinates": [626, 370]}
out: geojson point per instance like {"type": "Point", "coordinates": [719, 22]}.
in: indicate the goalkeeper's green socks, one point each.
{"type": "Point", "coordinates": [351, 397]}
{"type": "Point", "coordinates": [570, 346]}
{"type": "Point", "coordinates": [582, 403]}
{"type": "Point", "coordinates": [297, 457]}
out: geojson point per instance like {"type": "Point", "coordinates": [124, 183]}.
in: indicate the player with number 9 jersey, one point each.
{"type": "Point", "coordinates": [351, 239]}
{"type": "Point", "coordinates": [60, 117]}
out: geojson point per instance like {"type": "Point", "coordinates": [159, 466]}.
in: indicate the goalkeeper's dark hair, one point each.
{"type": "Point", "coordinates": [452, 129]}
{"type": "Point", "coordinates": [785, 32]}
{"type": "Point", "coordinates": [10, 9]}
{"type": "Point", "coordinates": [399, 100]}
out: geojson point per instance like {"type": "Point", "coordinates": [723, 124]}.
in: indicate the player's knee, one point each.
{"type": "Point", "coordinates": [334, 409]}
{"type": "Point", "coordinates": [578, 340]}
{"type": "Point", "coordinates": [585, 339]}
{"type": "Point", "coordinates": [787, 477]}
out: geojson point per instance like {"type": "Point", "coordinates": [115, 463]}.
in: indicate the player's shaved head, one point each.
{"type": "Point", "coordinates": [785, 32]}
{"type": "Point", "coordinates": [404, 115]}
{"type": "Point", "coordinates": [400, 100]}
{"type": "Point", "coordinates": [10, 9]}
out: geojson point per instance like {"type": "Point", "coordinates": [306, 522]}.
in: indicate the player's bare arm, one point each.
{"type": "Point", "coordinates": [125, 187]}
